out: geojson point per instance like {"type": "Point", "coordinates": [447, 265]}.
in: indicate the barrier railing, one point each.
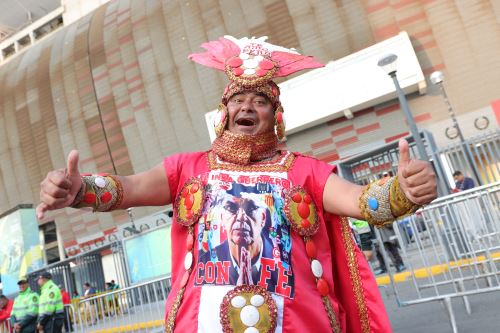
{"type": "Point", "coordinates": [140, 308]}
{"type": "Point", "coordinates": [451, 249]}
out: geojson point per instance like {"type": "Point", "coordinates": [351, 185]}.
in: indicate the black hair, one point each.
{"type": "Point", "coordinates": [457, 173]}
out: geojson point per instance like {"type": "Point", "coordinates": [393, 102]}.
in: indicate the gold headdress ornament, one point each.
{"type": "Point", "coordinates": [252, 64]}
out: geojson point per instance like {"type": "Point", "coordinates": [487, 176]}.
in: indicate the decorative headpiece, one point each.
{"type": "Point", "coordinates": [252, 64]}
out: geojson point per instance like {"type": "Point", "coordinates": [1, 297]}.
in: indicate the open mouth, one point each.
{"type": "Point", "coordinates": [245, 122]}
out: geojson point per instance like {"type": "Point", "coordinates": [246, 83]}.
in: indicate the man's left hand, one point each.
{"type": "Point", "coordinates": [416, 178]}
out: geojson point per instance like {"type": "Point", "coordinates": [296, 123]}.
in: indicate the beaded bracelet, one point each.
{"type": "Point", "coordinates": [101, 192]}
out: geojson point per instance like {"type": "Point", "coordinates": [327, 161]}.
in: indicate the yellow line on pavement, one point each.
{"type": "Point", "coordinates": [425, 272]}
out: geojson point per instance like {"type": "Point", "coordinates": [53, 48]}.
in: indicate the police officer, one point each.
{"type": "Point", "coordinates": [25, 310]}
{"type": "Point", "coordinates": [51, 309]}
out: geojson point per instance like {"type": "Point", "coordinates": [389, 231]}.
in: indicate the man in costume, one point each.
{"type": "Point", "coordinates": [317, 279]}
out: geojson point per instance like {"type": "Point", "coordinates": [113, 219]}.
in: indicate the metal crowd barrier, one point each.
{"type": "Point", "coordinates": [140, 308]}
{"type": "Point", "coordinates": [451, 249]}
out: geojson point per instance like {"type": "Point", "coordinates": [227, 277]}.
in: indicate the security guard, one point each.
{"type": "Point", "coordinates": [25, 310]}
{"type": "Point", "coordinates": [51, 309]}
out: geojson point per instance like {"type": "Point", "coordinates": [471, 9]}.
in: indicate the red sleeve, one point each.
{"type": "Point", "coordinates": [5, 312]}
{"type": "Point", "coordinates": [65, 298]}
{"type": "Point", "coordinates": [180, 167]}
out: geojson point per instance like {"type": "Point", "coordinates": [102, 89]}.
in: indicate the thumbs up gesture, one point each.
{"type": "Point", "coordinates": [416, 178]}
{"type": "Point", "coordinates": [60, 187]}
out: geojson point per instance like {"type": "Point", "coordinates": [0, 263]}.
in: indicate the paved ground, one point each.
{"type": "Point", "coordinates": [432, 317]}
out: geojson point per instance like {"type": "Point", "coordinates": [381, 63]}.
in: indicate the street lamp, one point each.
{"type": "Point", "coordinates": [389, 64]}
{"type": "Point", "coordinates": [437, 79]}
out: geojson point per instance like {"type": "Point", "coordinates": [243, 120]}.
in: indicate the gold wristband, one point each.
{"type": "Point", "coordinates": [400, 204]}
{"type": "Point", "coordinates": [374, 202]}
{"type": "Point", "coordinates": [102, 193]}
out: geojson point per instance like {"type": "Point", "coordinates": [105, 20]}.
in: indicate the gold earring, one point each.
{"type": "Point", "coordinates": [279, 121]}
{"type": "Point", "coordinates": [220, 120]}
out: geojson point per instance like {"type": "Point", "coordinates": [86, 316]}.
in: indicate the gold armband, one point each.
{"type": "Point", "coordinates": [101, 192]}
{"type": "Point", "coordinates": [382, 201]}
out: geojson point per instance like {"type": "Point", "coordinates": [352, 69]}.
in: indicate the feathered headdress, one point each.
{"type": "Point", "coordinates": [251, 63]}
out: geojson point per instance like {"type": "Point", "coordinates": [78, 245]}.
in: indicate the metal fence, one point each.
{"type": "Point", "coordinates": [477, 157]}
{"type": "Point", "coordinates": [140, 308]}
{"type": "Point", "coordinates": [451, 249]}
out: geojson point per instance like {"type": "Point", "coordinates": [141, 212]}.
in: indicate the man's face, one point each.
{"type": "Point", "coordinates": [458, 178]}
{"type": "Point", "coordinates": [41, 281]}
{"type": "Point", "coordinates": [243, 221]}
{"type": "Point", "coordinates": [23, 287]}
{"type": "Point", "coordinates": [3, 303]}
{"type": "Point", "coordinates": [250, 113]}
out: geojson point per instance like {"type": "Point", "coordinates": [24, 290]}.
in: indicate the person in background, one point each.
{"type": "Point", "coordinates": [5, 310]}
{"type": "Point", "coordinates": [90, 310]}
{"type": "Point", "coordinates": [25, 309]}
{"type": "Point", "coordinates": [66, 299]}
{"type": "Point", "coordinates": [388, 237]}
{"type": "Point", "coordinates": [51, 308]}
{"type": "Point", "coordinates": [365, 236]}
{"type": "Point", "coordinates": [462, 183]}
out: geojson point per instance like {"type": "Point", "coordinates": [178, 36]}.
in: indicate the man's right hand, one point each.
{"type": "Point", "coordinates": [60, 187]}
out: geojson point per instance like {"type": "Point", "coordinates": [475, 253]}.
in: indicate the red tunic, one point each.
{"type": "Point", "coordinates": [353, 293]}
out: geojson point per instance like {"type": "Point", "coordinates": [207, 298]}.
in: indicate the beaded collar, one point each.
{"type": "Point", "coordinates": [245, 149]}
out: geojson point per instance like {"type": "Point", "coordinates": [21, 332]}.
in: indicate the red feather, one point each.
{"type": "Point", "coordinates": [290, 63]}
{"type": "Point", "coordinates": [217, 53]}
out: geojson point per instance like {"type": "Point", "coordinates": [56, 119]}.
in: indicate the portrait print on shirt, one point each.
{"type": "Point", "coordinates": [244, 236]}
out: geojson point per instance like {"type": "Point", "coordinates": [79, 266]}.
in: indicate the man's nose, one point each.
{"type": "Point", "coordinates": [247, 105]}
{"type": "Point", "coordinates": [240, 215]}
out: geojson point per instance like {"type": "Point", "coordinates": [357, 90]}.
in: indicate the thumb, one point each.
{"type": "Point", "coordinates": [404, 154]}
{"type": "Point", "coordinates": [72, 166]}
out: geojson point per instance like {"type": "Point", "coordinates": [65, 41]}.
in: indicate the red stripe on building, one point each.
{"type": "Point", "coordinates": [104, 99]}
{"type": "Point", "coordinates": [369, 128]}
{"type": "Point", "coordinates": [127, 122]}
{"type": "Point", "coordinates": [125, 39]}
{"type": "Point", "coordinates": [86, 90]}
{"type": "Point", "coordinates": [342, 130]}
{"type": "Point", "coordinates": [123, 104]}
{"type": "Point", "coordinates": [141, 106]}
{"type": "Point", "coordinates": [131, 65]}
{"type": "Point", "coordinates": [412, 19]}
{"type": "Point", "coordinates": [122, 161]}
{"type": "Point", "coordinates": [328, 156]}
{"type": "Point", "coordinates": [109, 53]}
{"type": "Point", "coordinates": [137, 88]}
{"type": "Point", "coordinates": [386, 31]}
{"type": "Point", "coordinates": [117, 82]}
{"type": "Point", "coordinates": [109, 231]}
{"type": "Point", "coordinates": [115, 64]}
{"type": "Point", "coordinates": [425, 46]}
{"type": "Point", "coordinates": [94, 128]}
{"type": "Point", "coordinates": [403, 3]}
{"type": "Point", "coordinates": [346, 142]}
{"type": "Point", "coordinates": [376, 7]}
{"type": "Point", "coordinates": [70, 243]}
{"type": "Point", "coordinates": [422, 33]}
{"type": "Point", "coordinates": [495, 105]}
{"type": "Point", "coordinates": [423, 117]}
{"type": "Point", "coordinates": [101, 76]}
{"type": "Point", "coordinates": [124, 11]}
{"type": "Point", "coordinates": [144, 49]}
{"type": "Point", "coordinates": [322, 143]}
{"type": "Point", "coordinates": [386, 110]}
{"type": "Point", "coordinates": [134, 78]}
{"type": "Point", "coordinates": [429, 70]}
{"type": "Point", "coordinates": [396, 137]}
{"type": "Point", "coordinates": [138, 21]}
